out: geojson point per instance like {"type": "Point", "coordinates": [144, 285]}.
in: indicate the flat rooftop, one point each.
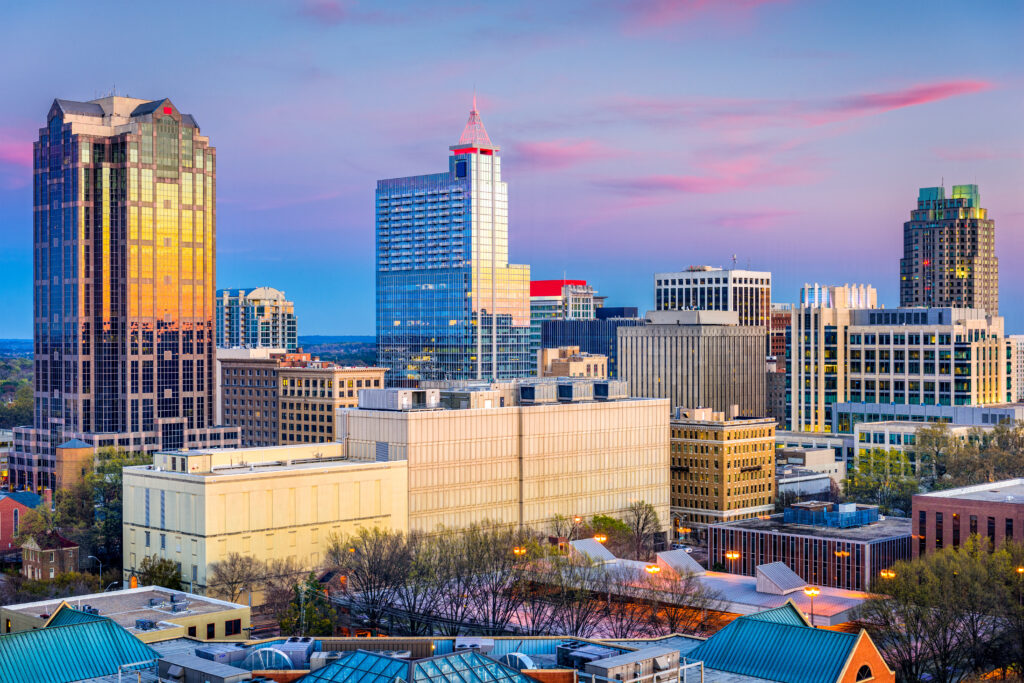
{"type": "Point", "coordinates": [250, 469]}
{"type": "Point", "coordinates": [125, 606]}
{"type": "Point", "coordinates": [887, 527]}
{"type": "Point", "coordinates": [1007, 491]}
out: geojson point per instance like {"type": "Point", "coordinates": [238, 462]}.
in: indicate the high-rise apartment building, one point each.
{"type": "Point", "coordinates": [124, 228]}
{"type": "Point", "coordinates": [256, 318]}
{"type": "Point", "coordinates": [816, 351]}
{"type": "Point", "coordinates": [558, 300]}
{"type": "Point", "coordinates": [722, 469]}
{"type": "Point", "coordinates": [949, 252]}
{"type": "Point", "coordinates": [705, 288]}
{"type": "Point", "coordinates": [449, 304]}
{"type": "Point", "coordinates": [1015, 350]}
{"type": "Point", "coordinates": [288, 398]}
{"type": "Point", "coordinates": [696, 359]}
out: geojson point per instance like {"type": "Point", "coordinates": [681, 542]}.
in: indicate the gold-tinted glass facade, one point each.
{"type": "Point", "coordinates": [124, 283]}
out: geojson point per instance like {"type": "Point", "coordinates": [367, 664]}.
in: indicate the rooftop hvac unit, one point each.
{"type": "Point", "coordinates": [177, 597]}
{"type": "Point", "coordinates": [298, 651]}
{"type": "Point", "coordinates": [482, 645]}
{"type": "Point", "coordinates": [572, 392]}
{"type": "Point", "coordinates": [319, 660]}
{"type": "Point", "coordinates": [153, 602]}
{"type": "Point", "coordinates": [179, 606]}
{"type": "Point", "coordinates": [610, 390]}
{"type": "Point", "coordinates": [89, 609]}
{"type": "Point", "coordinates": [395, 654]}
{"type": "Point", "coordinates": [144, 624]}
{"type": "Point", "coordinates": [538, 393]}
{"type": "Point", "coordinates": [223, 653]}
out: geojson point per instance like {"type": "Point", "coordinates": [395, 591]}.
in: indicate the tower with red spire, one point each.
{"type": "Point", "coordinates": [448, 303]}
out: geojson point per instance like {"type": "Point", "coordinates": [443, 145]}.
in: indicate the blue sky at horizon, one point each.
{"type": "Point", "coordinates": [636, 137]}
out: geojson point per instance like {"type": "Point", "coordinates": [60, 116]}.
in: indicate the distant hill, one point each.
{"type": "Point", "coordinates": [311, 339]}
{"type": "Point", "coordinates": [15, 348]}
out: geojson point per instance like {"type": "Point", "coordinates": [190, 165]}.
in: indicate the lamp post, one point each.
{"type": "Point", "coordinates": [732, 556]}
{"type": "Point", "coordinates": [1020, 577]}
{"type": "Point", "coordinates": [652, 569]}
{"type": "Point", "coordinates": [811, 591]}
{"type": "Point", "coordinates": [575, 523]}
{"type": "Point", "coordinates": [600, 538]}
{"type": "Point", "coordinates": [518, 551]}
{"type": "Point", "coordinates": [93, 557]}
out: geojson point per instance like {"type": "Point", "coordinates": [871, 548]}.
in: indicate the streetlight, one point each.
{"type": "Point", "coordinates": [887, 574]}
{"type": "Point", "coordinates": [600, 538]}
{"type": "Point", "coordinates": [93, 557]}
{"type": "Point", "coordinates": [575, 523]}
{"type": "Point", "coordinates": [1020, 577]}
{"type": "Point", "coordinates": [652, 569]}
{"type": "Point", "coordinates": [811, 591]}
{"type": "Point", "coordinates": [732, 556]}
{"type": "Point", "coordinates": [519, 551]}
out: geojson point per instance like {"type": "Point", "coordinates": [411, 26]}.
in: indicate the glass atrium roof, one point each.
{"type": "Point", "coordinates": [456, 667]}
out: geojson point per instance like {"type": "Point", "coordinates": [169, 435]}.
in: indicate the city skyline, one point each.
{"type": "Point", "coordinates": [675, 134]}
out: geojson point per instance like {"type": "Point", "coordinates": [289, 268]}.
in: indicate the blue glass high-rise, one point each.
{"type": "Point", "coordinates": [449, 304]}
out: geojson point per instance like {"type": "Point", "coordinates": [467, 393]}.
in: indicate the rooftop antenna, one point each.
{"type": "Point", "coordinates": [734, 260]}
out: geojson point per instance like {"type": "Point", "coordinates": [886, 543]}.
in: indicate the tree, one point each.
{"type": "Point", "coordinates": [883, 478]}
{"type": "Point", "coordinates": [309, 613]}
{"type": "Point", "coordinates": [37, 521]}
{"type": "Point", "coordinates": [19, 411]}
{"type": "Point", "coordinates": [642, 520]}
{"type": "Point", "coordinates": [235, 575]}
{"type": "Point", "coordinates": [375, 562]}
{"type": "Point", "coordinates": [576, 612]}
{"type": "Point", "coordinates": [688, 606]}
{"type": "Point", "coordinates": [160, 571]}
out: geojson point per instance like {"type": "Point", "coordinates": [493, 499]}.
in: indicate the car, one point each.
{"type": "Point", "coordinates": [682, 546]}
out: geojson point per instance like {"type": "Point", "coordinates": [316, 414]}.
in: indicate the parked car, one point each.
{"type": "Point", "coordinates": [682, 546]}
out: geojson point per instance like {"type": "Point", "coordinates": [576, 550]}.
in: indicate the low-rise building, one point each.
{"type": "Point", "coordinates": [45, 556]}
{"type": "Point", "coordinates": [13, 507]}
{"type": "Point", "coordinates": [569, 361]}
{"type": "Point", "coordinates": [901, 437]}
{"type": "Point", "coordinates": [285, 398]}
{"type": "Point", "coordinates": [150, 613]}
{"type": "Point", "coordinates": [848, 415]}
{"type": "Point", "coordinates": [795, 483]}
{"type": "Point", "coordinates": [946, 519]}
{"type": "Point", "coordinates": [840, 444]}
{"type": "Point", "coordinates": [515, 455]}
{"type": "Point", "coordinates": [722, 469]}
{"type": "Point", "coordinates": [821, 460]}
{"type": "Point", "coordinates": [825, 544]}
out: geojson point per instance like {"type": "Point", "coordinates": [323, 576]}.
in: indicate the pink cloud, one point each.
{"type": "Point", "coordinates": [16, 152]}
{"type": "Point", "coordinates": [656, 14]}
{"type": "Point", "coordinates": [560, 154]}
{"type": "Point", "coordinates": [331, 12]}
{"type": "Point", "coordinates": [751, 113]}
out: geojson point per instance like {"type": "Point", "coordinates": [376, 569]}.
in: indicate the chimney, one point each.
{"type": "Point", "coordinates": [734, 411]}
{"type": "Point", "coordinates": [48, 498]}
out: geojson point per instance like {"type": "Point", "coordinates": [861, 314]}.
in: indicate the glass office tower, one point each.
{"type": "Point", "coordinates": [449, 304]}
{"type": "Point", "coordinates": [123, 226]}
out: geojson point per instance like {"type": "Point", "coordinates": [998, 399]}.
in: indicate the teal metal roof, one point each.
{"type": "Point", "coordinates": [65, 615]}
{"type": "Point", "coordinates": [457, 667]}
{"type": "Point", "coordinates": [802, 654]}
{"type": "Point", "coordinates": [787, 614]}
{"type": "Point", "coordinates": [70, 653]}
{"type": "Point", "coordinates": [26, 498]}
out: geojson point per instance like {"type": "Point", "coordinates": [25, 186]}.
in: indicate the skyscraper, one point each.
{"type": "Point", "coordinates": [949, 252]}
{"type": "Point", "coordinates": [449, 304]}
{"type": "Point", "coordinates": [124, 243]}
{"type": "Point", "coordinates": [256, 318]}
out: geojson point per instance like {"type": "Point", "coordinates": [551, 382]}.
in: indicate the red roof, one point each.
{"type": "Point", "coordinates": [551, 287]}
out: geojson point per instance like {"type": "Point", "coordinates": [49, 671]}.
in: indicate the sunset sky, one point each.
{"type": "Point", "coordinates": [637, 136]}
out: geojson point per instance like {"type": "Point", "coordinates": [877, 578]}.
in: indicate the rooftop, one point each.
{"type": "Point", "coordinates": [1007, 491]}
{"type": "Point", "coordinates": [125, 606]}
{"type": "Point", "coordinates": [885, 527]}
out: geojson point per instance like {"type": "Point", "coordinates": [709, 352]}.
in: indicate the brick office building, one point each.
{"type": "Point", "coordinates": [946, 519]}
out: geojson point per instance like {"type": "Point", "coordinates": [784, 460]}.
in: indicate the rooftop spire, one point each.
{"type": "Point", "coordinates": [474, 135]}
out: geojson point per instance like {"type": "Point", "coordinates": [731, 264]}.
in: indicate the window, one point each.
{"type": "Point", "coordinates": [864, 673]}
{"type": "Point", "coordinates": [192, 631]}
{"type": "Point", "coordinates": [17, 521]}
{"type": "Point", "coordinates": [147, 539]}
{"type": "Point", "coordinates": [232, 627]}
{"type": "Point", "coordinates": [211, 631]}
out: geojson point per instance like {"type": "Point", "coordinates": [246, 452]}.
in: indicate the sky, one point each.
{"type": "Point", "coordinates": [637, 137]}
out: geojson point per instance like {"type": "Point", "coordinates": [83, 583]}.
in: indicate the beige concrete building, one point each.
{"type": "Point", "coordinates": [149, 613]}
{"type": "Point", "coordinates": [285, 398]}
{"type": "Point", "coordinates": [820, 460]}
{"type": "Point", "coordinates": [282, 502]}
{"type": "Point", "coordinates": [524, 463]}
{"type": "Point", "coordinates": [722, 469]}
{"type": "Point", "coordinates": [408, 464]}
{"type": "Point", "coordinates": [901, 436]}
{"type": "Point", "coordinates": [568, 361]}
{"type": "Point", "coordinates": [696, 358]}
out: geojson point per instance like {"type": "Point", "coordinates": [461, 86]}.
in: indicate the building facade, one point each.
{"type": "Point", "coordinates": [518, 462]}
{"type": "Point", "coordinates": [558, 300]}
{"type": "Point", "coordinates": [47, 556]}
{"type": "Point", "coordinates": [449, 304]}
{"type": "Point", "coordinates": [815, 353]}
{"type": "Point", "coordinates": [289, 398]}
{"type": "Point", "coordinates": [124, 227]}
{"type": "Point", "coordinates": [781, 317]}
{"type": "Point", "coordinates": [722, 469]}
{"type": "Point", "coordinates": [256, 318]}
{"type": "Point", "coordinates": [949, 252]}
{"type": "Point", "coordinates": [598, 337]}
{"type": "Point", "coordinates": [847, 416]}
{"type": "Point", "coordinates": [13, 507]}
{"type": "Point", "coordinates": [705, 288]}
{"type": "Point", "coordinates": [840, 546]}
{"type": "Point", "coordinates": [1016, 352]}
{"type": "Point", "coordinates": [947, 519]}
{"type": "Point", "coordinates": [696, 359]}
{"type": "Point", "coordinates": [569, 361]}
